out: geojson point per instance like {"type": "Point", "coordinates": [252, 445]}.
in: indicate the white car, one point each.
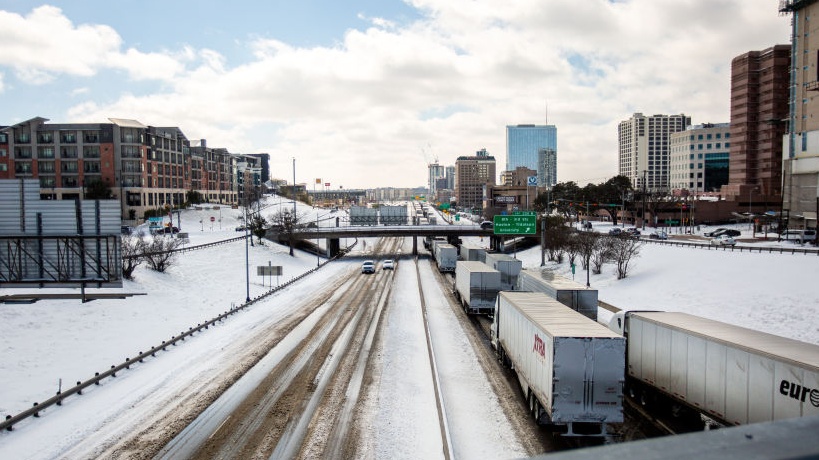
{"type": "Point", "coordinates": [368, 267]}
{"type": "Point", "coordinates": [723, 240]}
{"type": "Point", "coordinates": [388, 264]}
{"type": "Point", "coordinates": [658, 235]}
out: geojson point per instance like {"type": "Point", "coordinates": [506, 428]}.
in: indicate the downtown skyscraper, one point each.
{"type": "Point", "coordinates": [533, 147]}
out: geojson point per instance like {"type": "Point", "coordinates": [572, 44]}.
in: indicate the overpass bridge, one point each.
{"type": "Point", "coordinates": [333, 234]}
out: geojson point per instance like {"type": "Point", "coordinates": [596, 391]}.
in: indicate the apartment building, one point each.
{"type": "Point", "coordinates": [145, 167]}
{"type": "Point", "coordinates": [644, 149]}
{"type": "Point", "coordinates": [759, 109]}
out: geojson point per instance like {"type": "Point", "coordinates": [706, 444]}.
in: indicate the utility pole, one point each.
{"type": "Point", "coordinates": [543, 238]}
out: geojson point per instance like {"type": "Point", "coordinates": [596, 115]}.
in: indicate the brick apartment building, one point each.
{"type": "Point", "coordinates": [145, 167]}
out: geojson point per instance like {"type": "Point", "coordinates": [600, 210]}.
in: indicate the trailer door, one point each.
{"type": "Point", "coordinates": [606, 358]}
{"type": "Point", "coordinates": [570, 392]}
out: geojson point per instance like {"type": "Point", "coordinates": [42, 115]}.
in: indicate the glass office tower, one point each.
{"type": "Point", "coordinates": [523, 142]}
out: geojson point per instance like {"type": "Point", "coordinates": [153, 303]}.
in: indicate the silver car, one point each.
{"type": "Point", "coordinates": [723, 240]}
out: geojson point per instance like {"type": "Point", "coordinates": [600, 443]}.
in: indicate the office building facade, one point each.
{"type": "Point", "coordinates": [472, 175]}
{"type": "Point", "coordinates": [699, 158]}
{"type": "Point", "coordinates": [524, 145]}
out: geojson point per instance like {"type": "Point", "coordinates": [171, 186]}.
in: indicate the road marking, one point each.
{"type": "Point", "coordinates": [219, 427]}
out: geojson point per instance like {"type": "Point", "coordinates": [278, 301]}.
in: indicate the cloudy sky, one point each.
{"type": "Point", "coordinates": [365, 93]}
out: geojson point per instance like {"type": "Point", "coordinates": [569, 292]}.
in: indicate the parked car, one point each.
{"type": "Point", "coordinates": [169, 230]}
{"type": "Point", "coordinates": [127, 230]}
{"type": "Point", "coordinates": [632, 232]}
{"type": "Point", "coordinates": [799, 235]}
{"type": "Point", "coordinates": [723, 240]}
{"type": "Point", "coordinates": [487, 224]}
{"type": "Point", "coordinates": [723, 231]}
{"type": "Point", "coordinates": [615, 231]}
{"type": "Point", "coordinates": [368, 267]}
{"type": "Point", "coordinates": [388, 264]}
{"type": "Point", "coordinates": [241, 228]}
{"type": "Point", "coordinates": [658, 235]}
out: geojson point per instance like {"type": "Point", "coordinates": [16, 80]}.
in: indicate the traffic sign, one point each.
{"type": "Point", "coordinates": [531, 181]}
{"type": "Point", "coordinates": [515, 225]}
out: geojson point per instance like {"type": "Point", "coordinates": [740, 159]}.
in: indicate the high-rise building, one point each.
{"type": "Point", "coordinates": [699, 157]}
{"type": "Point", "coordinates": [472, 175]}
{"type": "Point", "coordinates": [524, 144]}
{"type": "Point", "coordinates": [801, 142]}
{"type": "Point", "coordinates": [759, 106]}
{"type": "Point", "coordinates": [435, 172]}
{"type": "Point", "coordinates": [644, 149]}
{"type": "Point", "coordinates": [450, 177]}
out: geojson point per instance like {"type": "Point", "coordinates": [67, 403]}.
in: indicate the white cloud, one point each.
{"type": "Point", "coordinates": [45, 44]}
{"type": "Point", "coordinates": [357, 113]}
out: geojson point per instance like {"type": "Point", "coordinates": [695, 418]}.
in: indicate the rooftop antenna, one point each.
{"type": "Point", "coordinates": [547, 112]}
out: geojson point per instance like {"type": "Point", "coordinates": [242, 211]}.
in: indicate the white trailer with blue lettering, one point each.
{"type": "Point", "coordinates": [571, 368]}
{"type": "Point", "coordinates": [728, 373]}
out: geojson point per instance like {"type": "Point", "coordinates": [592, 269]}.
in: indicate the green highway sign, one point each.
{"type": "Point", "coordinates": [524, 213]}
{"type": "Point", "coordinates": [515, 225]}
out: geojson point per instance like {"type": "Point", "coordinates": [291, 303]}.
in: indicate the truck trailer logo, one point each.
{"type": "Point", "coordinates": [799, 392]}
{"type": "Point", "coordinates": [539, 347]}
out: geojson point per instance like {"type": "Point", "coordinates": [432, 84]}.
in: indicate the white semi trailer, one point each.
{"type": "Point", "coordinates": [571, 368]}
{"type": "Point", "coordinates": [568, 292]}
{"type": "Point", "coordinates": [476, 286]}
{"type": "Point", "coordinates": [446, 255]}
{"type": "Point", "coordinates": [728, 373]}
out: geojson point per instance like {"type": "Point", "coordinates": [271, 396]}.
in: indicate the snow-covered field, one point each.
{"type": "Point", "coordinates": [65, 341]}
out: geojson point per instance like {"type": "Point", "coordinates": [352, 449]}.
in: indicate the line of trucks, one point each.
{"type": "Point", "coordinates": [575, 371]}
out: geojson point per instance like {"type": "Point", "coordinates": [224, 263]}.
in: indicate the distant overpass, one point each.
{"type": "Point", "coordinates": [334, 234]}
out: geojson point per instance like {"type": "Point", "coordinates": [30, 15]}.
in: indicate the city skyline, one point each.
{"type": "Point", "coordinates": [365, 94]}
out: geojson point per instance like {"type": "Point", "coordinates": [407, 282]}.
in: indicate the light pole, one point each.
{"type": "Point", "coordinates": [247, 255]}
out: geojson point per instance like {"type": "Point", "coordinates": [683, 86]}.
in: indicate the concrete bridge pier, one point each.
{"type": "Point", "coordinates": [333, 247]}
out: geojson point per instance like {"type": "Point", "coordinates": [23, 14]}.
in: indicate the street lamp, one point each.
{"type": "Point", "coordinates": [247, 254]}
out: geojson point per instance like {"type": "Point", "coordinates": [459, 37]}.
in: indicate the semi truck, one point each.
{"type": "Point", "coordinates": [508, 266]}
{"type": "Point", "coordinates": [570, 368]}
{"type": "Point", "coordinates": [473, 253]}
{"type": "Point", "coordinates": [730, 374]}
{"type": "Point", "coordinates": [568, 292]}
{"type": "Point", "coordinates": [476, 286]}
{"type": "Point", "coordinates": [446, 255]}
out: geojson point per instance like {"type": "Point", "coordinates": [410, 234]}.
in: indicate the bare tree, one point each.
{"type": "Point", "coordinates": [132, 249]}
{"type": "Point", "coordinates": [159, 252]}
{"type": "Point", "coordinates": [586, 242]}
{"type": "Point", "coordinates": [286, 221]}
{"type": "Point", "coordinates": [557, 234]}
{"type": "Point", "coordinates": [624, 248]}
{"type": "Point", "coordinates": [572, 248]}
{"type": "Point", "coordinates": [601, 254]}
